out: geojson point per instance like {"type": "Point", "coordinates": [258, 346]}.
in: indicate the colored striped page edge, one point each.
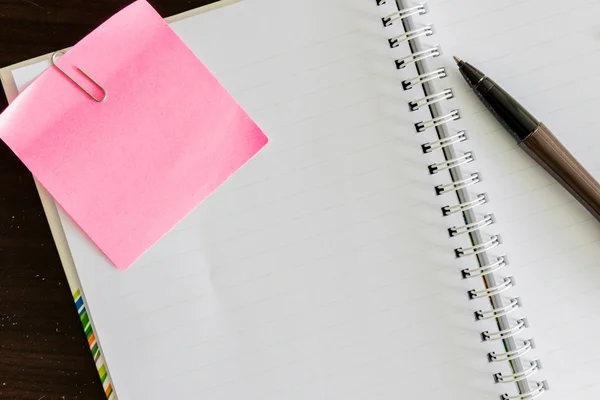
{"type": "Point", "coordinates": [86, 323]}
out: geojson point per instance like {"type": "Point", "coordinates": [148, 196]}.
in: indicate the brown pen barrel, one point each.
{"type": "Point", "coordinates": [545, 148]}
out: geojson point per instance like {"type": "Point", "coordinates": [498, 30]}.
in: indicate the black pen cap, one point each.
{"type": "Point", "coordinates": [472, 75]}
{"type": "Point", "coordinates": [509, 112]}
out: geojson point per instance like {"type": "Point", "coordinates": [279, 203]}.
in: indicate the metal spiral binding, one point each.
{"type": "Point", "coordinates": [421, 55]}
{"type": "Point", "coordinates": [534, 366]}
{"type": "Point", "coordinates": [487, 220]}
{"type": "Point", "coordinates": [429, 100]}
{"type": "Point", "coordinates": [456, 185]}
{"type": "Point", "coordinates": [505, 285]}
{"type": "Point", "coordinates": [486, 269]}
{"type": "Point", "coordinates": [495, 312]}
{"type": "Point", "coordinates": [527, 346]}
{"type": "Point", "coordinates": [453, 163]}
{"type": "Point", "coordinates": [426, 77]}
{"type": "Point", "coordinates": [519, 327]}
{"type": "Point", "coordinates": [403, 13]}
{"type": "Point", "coordinates": [541, 387]}
{"type": "Point", "coordinates": [415, 33]}
{"type": "Point", "coordinates": [508, 331]}
{"type": "Point", "coordinates": [432, 123]}
{"type": "Point", "coordinates": [478, 248]}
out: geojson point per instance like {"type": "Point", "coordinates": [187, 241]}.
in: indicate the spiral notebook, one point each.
{"type": "Point", "coordinates": [391, 241]}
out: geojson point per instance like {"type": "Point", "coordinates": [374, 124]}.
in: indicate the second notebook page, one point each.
{"type": "Point", "coordinates": [546, 54]}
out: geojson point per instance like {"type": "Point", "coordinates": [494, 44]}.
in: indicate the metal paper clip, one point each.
{"type": "Point", "coordinates": [99, 100]}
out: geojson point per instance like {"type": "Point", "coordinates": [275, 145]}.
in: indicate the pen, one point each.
{"type": "Point", "coordinates": [534, 138]}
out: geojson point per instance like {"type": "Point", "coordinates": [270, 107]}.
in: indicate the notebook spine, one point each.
{"type": "Point", "coordinates": [485, 272]}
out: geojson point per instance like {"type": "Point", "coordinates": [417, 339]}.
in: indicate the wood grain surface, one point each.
{"type": "Point", "coordinates": [43, 351]}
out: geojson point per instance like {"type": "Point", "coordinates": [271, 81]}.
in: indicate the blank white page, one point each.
{"type": "Point", "coordinates": [547, 55]}
{"type": "Point", "coordinates": [323, 268]}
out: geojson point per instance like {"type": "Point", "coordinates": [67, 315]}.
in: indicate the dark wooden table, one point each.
{"type": "Point", "coordinates": [43, 352]}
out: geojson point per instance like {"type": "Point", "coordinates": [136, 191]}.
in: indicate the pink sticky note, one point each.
{"type": "Point", "coordinates": [126, 170]}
